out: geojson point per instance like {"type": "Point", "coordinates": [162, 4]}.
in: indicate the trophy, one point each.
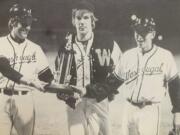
{"type": "Point", "coordinates": [64, 62]}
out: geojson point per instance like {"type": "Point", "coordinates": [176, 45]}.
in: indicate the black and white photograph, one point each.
{"type": "Point", "coordinates": [89, 67]}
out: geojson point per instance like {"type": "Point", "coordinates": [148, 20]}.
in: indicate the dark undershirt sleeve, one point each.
{"type": "Point", "coordinates": [8, 71]}
{"type": "Point", "coordinates": [174, 92]}
{"type": "Point", "coordinates": [46, 76]}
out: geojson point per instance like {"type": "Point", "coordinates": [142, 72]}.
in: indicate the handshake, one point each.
{"type": "Point", "coordinates": [64, 92]}
{"type": "Point", "coordinates": [68, 93]}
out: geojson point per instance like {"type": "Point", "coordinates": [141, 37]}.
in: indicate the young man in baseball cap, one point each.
{"type": "Point", "coordinates": [147, 72]}
{"type": "Point", "coordinates": [28, 59]}
{"type": "Point", "coordinates": [93, 58]}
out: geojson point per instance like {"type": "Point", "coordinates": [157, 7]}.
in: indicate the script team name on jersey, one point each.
{"type": "Point", "coordinates": [30, 58]}
{"type": "Point", "coordinates": [148, 70]}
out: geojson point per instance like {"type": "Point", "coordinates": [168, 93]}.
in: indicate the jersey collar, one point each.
{"type": "Point", "coordinates": [149, 52]}
{"type": "Point", "coordinates": [16, 43]}
{"type": "Point", "coordinates": [89, 45]}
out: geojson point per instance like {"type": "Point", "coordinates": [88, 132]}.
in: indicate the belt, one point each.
{"type": "Point", "coordinates": [141, 104]}
{"type": "Point", "coordinates": [11, 92]}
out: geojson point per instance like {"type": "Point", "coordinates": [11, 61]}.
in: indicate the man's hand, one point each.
{"type": "Point", "coordinates": [37, 84]}
{"type": "Point", "coordinates": [80, 90]}
{"type": "Point", "coordinates": [69, 94]}
{"type": "Point", "coordinates": [32, 83]}
{"type": "Point", "coordinates": [176, 123]}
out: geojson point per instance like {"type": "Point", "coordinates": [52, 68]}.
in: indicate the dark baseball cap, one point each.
{"type": "Point", "coordinates": [22, 13]}
{"type": "Point", "coordinates": [84, 4]}
{"type": "Point", "coordinates": [143, 25]}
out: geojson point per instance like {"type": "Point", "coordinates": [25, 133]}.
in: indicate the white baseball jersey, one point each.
{"type": "Point", "coordinates": [146, 76]}
{"type": "Point", "coordinates": [26, 58]}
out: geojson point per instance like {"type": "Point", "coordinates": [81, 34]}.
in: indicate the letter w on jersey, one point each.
{"type": "Point", "coordinates": [104, 56]}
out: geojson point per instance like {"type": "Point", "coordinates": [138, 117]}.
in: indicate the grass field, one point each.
{"type": "Point", "coordinates": [51, 118]}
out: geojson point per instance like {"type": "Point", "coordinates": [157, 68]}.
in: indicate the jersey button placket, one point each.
{"type": "Point", "coordinates": [142, 70]}
{"type": "Point", "coordinates": [140, 76]}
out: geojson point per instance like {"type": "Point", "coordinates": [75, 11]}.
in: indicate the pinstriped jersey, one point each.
{"type": "Point", "coordinates": [146, 76]}
{"type": "Point", "coordinates": [26, 58]}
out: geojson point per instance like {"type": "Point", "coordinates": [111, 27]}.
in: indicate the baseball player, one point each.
{"type": "Point", "coordinates": [94, 56]}
{"type": "Point", "coordinates": [9, 72]}
{"type": "Point", "coordinates": [27, 58]}
{"type": "Point", "coordinates": [147, 71]}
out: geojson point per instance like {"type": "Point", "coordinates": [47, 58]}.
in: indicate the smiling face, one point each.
{"type": "Point", "coordinates": [20, 30]}
{"type": "Point", "coordinates": [144, 42]}
{"type": "Point", "coordinates": [83, 22]}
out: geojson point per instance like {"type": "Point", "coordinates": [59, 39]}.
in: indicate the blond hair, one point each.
{"type": "Point", "coordinates": [93, 18]}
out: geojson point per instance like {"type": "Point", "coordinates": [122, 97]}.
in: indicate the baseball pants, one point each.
{"type": "Point", "coordinates": [89, 118]}
{"type": "Point", "coordinates": [17, 111]}
{"type": "Point", "coordinates": [141, 121]}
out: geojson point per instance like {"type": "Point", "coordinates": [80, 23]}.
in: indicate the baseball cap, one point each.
{"type": "Point", "coordinates": [143, 25]}
{"type": "Point", "coordinates": [84, 4]}
{"type": "Point", "coordinates": [22, 13]}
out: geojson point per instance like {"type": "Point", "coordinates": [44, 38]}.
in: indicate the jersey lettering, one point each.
{"type": "Point", "coordinates": [149, 70]}
{"type": "Point", "coordinates": [104, 56]}
{"type": "Point", "coordinates": [131, 74]}
{"type": "Point", "coordinates": [23, 59]}
{"type": "Point", "coordinates": [154, 70]}
{"type": "Point", "coordinates": [28, 58]}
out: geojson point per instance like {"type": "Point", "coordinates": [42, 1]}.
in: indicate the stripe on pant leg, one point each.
{"type": "Point", "coordinates": [158, 121]}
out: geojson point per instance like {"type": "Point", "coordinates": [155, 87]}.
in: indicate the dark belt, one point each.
{"type": "Point", "coordinates": [11, 92]}
{"type": "Point", "coordinates": [141, 104]}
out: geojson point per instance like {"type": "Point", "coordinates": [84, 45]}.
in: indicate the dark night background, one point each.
{"type": "Point", "coordinates": [54, 20]}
